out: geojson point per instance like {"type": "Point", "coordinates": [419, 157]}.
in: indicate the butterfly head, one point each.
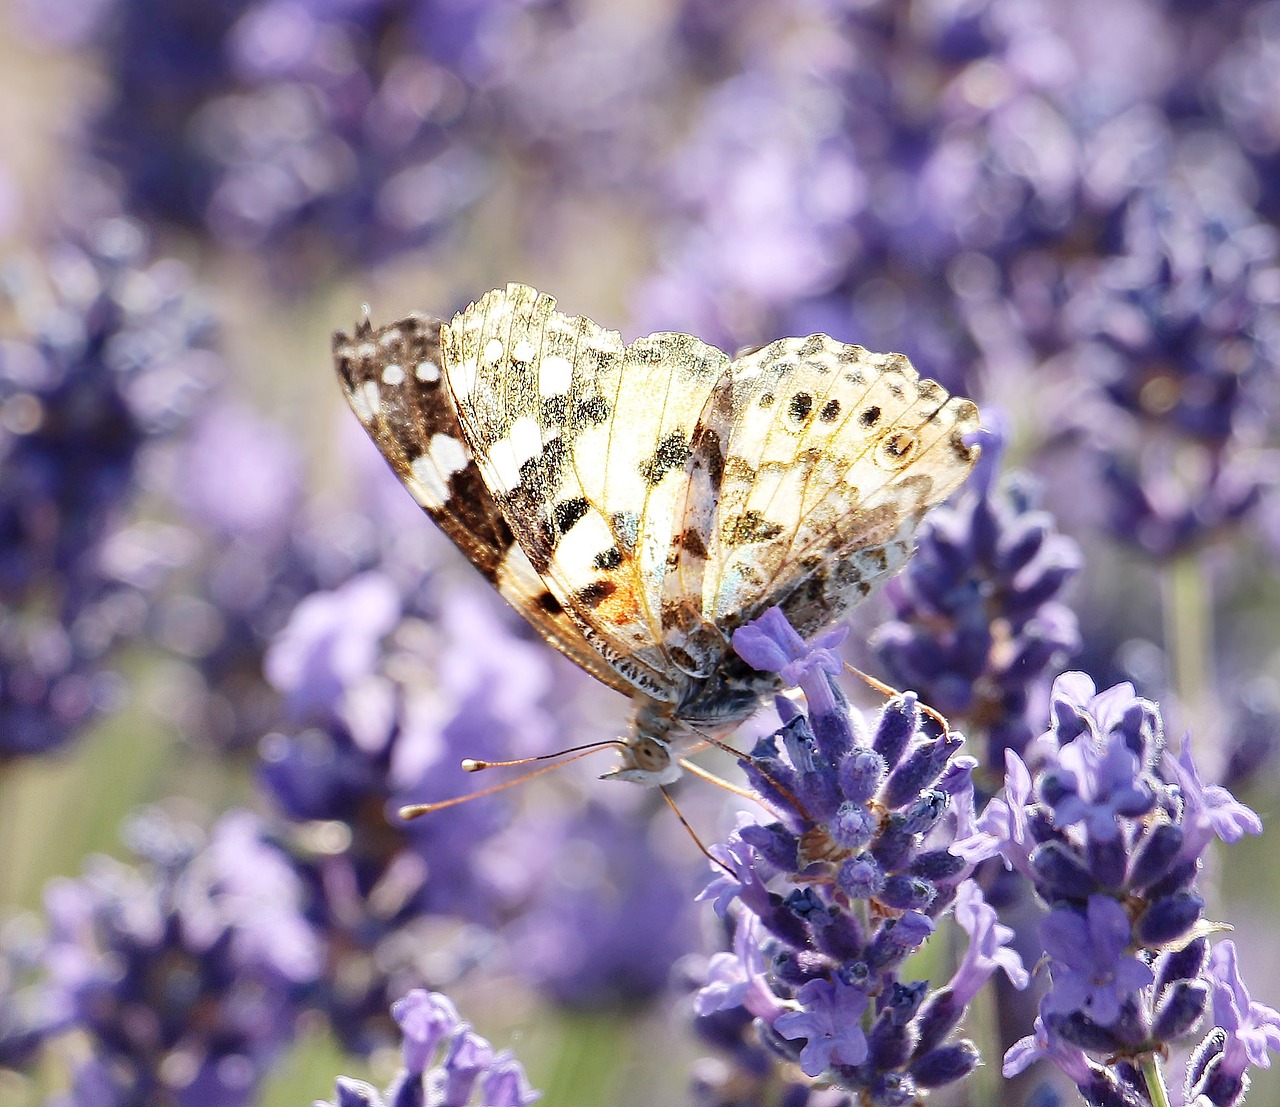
{"type": "Point", "coordinates": [646, 759]}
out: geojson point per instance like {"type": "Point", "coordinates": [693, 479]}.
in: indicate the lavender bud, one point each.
{"type": "Point", "coordinates": [1169, 919]}
{"type": "Point", "coordinates": [945, 1065]}
{"type": "Point", "coordinates": [1061, 874]}
{"type": "Point", "coordinates": [898, 723]}
{"type": "Point", "coordinates": [1179, 1009]}
{"type": "Point", "coordinates": [860, 774]}
{"type": "Point", "coordinates": [1158, 851]}
{"type": "Point", "coordinates": [902, 892]}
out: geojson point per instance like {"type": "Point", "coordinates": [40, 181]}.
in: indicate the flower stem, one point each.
{"type": "Point", "coordinates": [1154, 1077]}
{"type": "Point", "coordinates": [1188, 631]}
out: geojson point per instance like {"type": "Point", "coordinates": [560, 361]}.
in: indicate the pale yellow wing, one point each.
{"type": "Point", "coordinates": [587, 444]}
{"type": "Point", "coordinates": [832, 455]}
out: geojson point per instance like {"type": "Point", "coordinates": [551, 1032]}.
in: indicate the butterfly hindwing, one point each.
{"type": "Point", "coordinates": [832, 456]}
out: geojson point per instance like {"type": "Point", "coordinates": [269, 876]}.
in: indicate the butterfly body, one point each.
{"type": "Point", "coordinates": [637, 503]}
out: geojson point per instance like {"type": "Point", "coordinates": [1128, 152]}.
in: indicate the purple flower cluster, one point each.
{"type": "Point", "coordinates": [315, 128]}
{"type": "Point", "coordinates": [978, 619]}
{"type": "Point", "coordinates": [1110, 832]}
{"type": "Point", "coordinates": [445, 1062]}
{"type": "Point", "coordinates": [1182, 337]}
{"type": "Point", "coordinates": [380, 702]}
{"type": "Point", "coordinates": [185, 973]}
{"type": "Point", "coordinates": [386, 689]}
{"type": "Point", "coordinates": [861, 847]}
{"type": "Point", "coordinates": [113, 352]}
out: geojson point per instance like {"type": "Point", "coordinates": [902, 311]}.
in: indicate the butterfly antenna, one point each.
{"type": "Point", "coordinates": [474, 765]}
{"type": "Point", "coordinates": [691, 832]}
{"type": "Point", "coordinates": [416, 810]}
{"type": "Point", "coordinates": [719, 781]}
{"type": "Point", "coordinates": [889, 692]}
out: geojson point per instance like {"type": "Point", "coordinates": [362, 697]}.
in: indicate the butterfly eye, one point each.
{"type": "Point", "coordinates": [650, 755]}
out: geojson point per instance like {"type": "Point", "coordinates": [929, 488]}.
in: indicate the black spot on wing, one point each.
{"type": "Point", "coordinates": [708, 456]}
{"type": "Point", "coordinates": [690, 539]}
{"type": "Point", "coordinates": [595, 593]}
{"type": "Point", "coordinates": [608, 559]}
{"type": "Point", "coordinates": [672, 453]}
{"type": "Point", "coordinates": [568, 512]}
{"type": "Point", "coordinates": [591, 410]}
{"type": "Point", "coordinates": [801, 406]}
{"type": "Point", "coordinates": [750, 526]}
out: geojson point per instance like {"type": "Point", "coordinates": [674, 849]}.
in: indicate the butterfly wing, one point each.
{"type": "Point", "coordinates": [393, 378]}
{"type": "Point", "coordinates": [832, 455]}
{"type": "Point", "coordinates": [586, 444]}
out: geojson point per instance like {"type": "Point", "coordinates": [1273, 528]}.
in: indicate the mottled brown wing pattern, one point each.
{"type": "Point", "coordinates": [832, 456]}
{"type": "Point", "coordinates": [585, 442]}
{"type": "Point", "coordinates": [393, 378]}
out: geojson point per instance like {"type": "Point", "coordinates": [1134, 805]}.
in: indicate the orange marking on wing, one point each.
{"type": "Point", "coordinates": [622, 605]}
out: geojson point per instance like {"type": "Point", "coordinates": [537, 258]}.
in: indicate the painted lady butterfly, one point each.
{"type": "Point", "coordinates": [636, 503]}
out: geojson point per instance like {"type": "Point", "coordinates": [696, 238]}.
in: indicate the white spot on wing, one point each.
{"type": "Point", "coordinates": [448, 453]}
{"type": "Point", "coordinates": [463, 379]}
{"type": "Point", "coordinates": [577, 548]}
{"type": "Point", "coordinates": [393, 375]}
{"type": "Point", "coordinates": [523, 351]}
{"type": "Point", "coordinates": [508, 454]}
{"type": "Point", "coordinates": [492, 352]}
{"type": "Point", "coordinates": [427, 371]}
{"type": "Point", "coordinates": [431, 471]}
{"type": "Point", "coordinates": [372, 399]}
{"type": "Point", "coordinates": [427, 486]}
{"type": "Point", "coordinates": [360, 403]}
{"type": "Point", "coordinates": [555, 374]}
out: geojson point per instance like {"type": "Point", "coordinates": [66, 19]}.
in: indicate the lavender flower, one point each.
{"type": "Point", "coordinates": [384, 705]}
{"type": "Point", "coordinates": [1182, 346]}
{"type": "Point", "coordinates": [861, 850]}
{"type": "Point", "coordinates": [978, 616]}
{"type": "Point", "coordinates": [1111, 837]}
{"type": "Point", "coordinates": [186, 973]}
{"type": "Point", "coordinates": [445, 1062]}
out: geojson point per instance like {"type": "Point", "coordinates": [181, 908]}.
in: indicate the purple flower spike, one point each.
{"type": "Point", "coordinates": [426, 1019]}
{"type": "Point", "coordinates": [830, 1018]}
{"type": "Point", "coordinates": [1092, 970]}
{"type": "Point", "coordinates": [467, 1073]}
{"type": "Point", "coordinates": [771, 645]}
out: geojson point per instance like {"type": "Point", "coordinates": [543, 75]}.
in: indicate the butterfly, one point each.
{"type": "Point", "coordinates": [638, 502]}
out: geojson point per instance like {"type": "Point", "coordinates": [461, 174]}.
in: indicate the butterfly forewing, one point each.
{"type": "Point", "coordinates": [393, 378]}
{"type": "Point", "coordinates": [587, 450]}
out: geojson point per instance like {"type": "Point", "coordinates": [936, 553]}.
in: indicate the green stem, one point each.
{"type": "Point", "coordinates": [1188, 632]}
{"type": "Point", "coordinates": [1154, 1077]}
